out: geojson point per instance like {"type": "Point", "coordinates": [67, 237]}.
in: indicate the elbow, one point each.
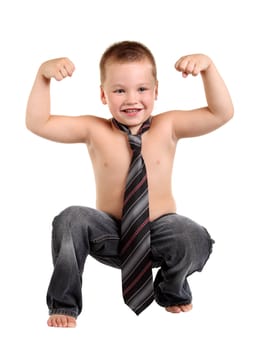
{"type": "Point", "coordinates": [32, 126]}
{"type": "Point", "coordinates": [230, 113]}
{"type": "Point", "coordinates": [29, 125]}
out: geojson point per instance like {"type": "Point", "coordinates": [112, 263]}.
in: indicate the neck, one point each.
{"type": "Point", "coordinates": [135, 129]}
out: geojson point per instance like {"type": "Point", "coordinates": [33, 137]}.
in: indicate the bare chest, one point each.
{"type": "Point", "coordinates": [111, 157]}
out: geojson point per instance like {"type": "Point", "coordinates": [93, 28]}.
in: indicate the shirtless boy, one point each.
{"type": "Point", "coordinates": [129, 87]}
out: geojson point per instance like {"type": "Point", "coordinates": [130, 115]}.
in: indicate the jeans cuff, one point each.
{"type": "Point", "coordinates": [65, 312]}
{"type": "Point", "coordinates": [166, 303]}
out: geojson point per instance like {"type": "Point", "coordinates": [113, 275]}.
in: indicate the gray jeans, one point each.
{"type": "Point", "coordinates": [179, 247]}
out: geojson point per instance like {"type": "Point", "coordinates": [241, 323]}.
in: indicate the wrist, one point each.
{"type": "Point", "coordinates": [210, 67]}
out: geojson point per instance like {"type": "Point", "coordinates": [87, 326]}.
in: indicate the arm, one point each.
{"type": "Point", "coordinates": [219, 107]}
{"type": "Point", "coordinates": [38, 118]}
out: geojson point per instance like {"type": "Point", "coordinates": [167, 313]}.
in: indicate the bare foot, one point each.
{"type": "Point", "coordinates": [178, 308]}
{"type": "Point", "coordinates": [61, 321]}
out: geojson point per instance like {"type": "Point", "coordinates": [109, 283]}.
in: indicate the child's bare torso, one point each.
{"type": "Point", "coordinates": [111, 155]}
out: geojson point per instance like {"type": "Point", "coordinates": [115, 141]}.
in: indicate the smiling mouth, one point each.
{"type": "Point", "coordinates": [131, 110]}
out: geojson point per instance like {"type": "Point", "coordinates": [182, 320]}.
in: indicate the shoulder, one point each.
{"type": "Point", "coordinates": [185, 123]}
{"type": "Point", "coordinates": [165, 121]}
{"type": "Point", "coordinates": [168, 116]}
{"type": "Point", "coordinates": [93, 123]}
{"type": "Point", "coordinates": [84, 128]}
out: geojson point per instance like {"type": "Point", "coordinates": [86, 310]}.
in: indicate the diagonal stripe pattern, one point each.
{"type": "Point", "coordinates": [135, 251]}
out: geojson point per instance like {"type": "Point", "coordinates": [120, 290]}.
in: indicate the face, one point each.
{"type": "Point", "coordinates": [129, 90]}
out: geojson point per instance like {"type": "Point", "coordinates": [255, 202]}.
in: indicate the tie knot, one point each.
{"type": "Point", "coordinates": [135, 142]}
{"type": "Point", "coordinates": [144, 127]}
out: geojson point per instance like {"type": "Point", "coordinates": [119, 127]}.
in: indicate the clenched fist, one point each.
{"type": "Point", "coordinates": [58, 68]}
{"type": "Point", "coordinates": [193, 64]}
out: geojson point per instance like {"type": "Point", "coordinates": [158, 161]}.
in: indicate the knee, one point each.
{"type": "Point", "coordinates": [68, 223]}
{"type": "Point", "coordinates": [67, 215]}
{"type": "Point", "coordinates": [72, 216]}
{"type": "Point", "coordinates": [193, 237]}
{"type": "Point", "coordinates": [194, 244]}
{"type": "Point", "coordinates": [69, 231]}
{"type": "Point", "coordinates": [181, 238]}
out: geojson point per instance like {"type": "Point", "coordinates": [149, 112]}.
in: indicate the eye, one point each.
{"type": "Point", "coordinates": [119, 91]}
{"type": "Point", "coordinates": [142, 89]}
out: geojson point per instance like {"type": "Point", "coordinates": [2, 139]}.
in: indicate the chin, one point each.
{"type": "Point", "coordinates": [134, 120]}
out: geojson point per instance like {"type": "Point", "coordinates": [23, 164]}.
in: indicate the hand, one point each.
{"type": "Point", "coordinates": [193, 64]}
{"type": "Point", "coordinates": [58, 68]}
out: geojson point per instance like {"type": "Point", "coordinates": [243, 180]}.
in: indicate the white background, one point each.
{"type": "Point", "coordinates": [220, 180]}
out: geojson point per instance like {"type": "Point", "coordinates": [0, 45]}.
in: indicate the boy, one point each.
{"type": "Point", "coordinates": [178, 245]}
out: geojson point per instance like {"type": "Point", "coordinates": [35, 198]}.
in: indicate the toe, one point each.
{"type": "Point", "coordinates": [186, 308]}
{"type": "Point", "coordinates": [173, 309]}
{"type": "Point", "coordinates": [71, 322]}
{"type": "Point", "coordinates": [64, 321]}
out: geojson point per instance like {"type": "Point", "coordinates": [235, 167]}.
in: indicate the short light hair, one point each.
{"type": "Point", "coordinates": [126, 51]}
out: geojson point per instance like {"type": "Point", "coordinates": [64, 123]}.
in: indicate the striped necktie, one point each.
{"type": "Point", "coordinates": [135, 247]}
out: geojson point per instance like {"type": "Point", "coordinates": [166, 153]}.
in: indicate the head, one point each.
{"type": "Point", "coordinates": [128, 81]}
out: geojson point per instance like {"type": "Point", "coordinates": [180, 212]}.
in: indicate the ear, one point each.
{"type": "Point", "coordinates": [156, 90]}
{"type": "Point", "coordinates": [102, 96]}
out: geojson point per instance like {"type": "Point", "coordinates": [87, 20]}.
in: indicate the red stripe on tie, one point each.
{"type": "Point", "coordinates": [135, 189]}
{"type": "Point", "coordinates": [135, 234]}
{"type": "Point", "coordinates": [134, 282]}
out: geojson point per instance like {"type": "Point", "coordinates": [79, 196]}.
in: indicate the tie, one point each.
{"type": "Point", "coordinates": [135, 248]}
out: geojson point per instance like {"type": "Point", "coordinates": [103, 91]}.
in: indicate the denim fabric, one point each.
{"type": "Point", "coordinates": [179, 247]}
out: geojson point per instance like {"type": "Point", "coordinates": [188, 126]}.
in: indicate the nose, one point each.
{"type": "Point", "coordinates": [131, 98]}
